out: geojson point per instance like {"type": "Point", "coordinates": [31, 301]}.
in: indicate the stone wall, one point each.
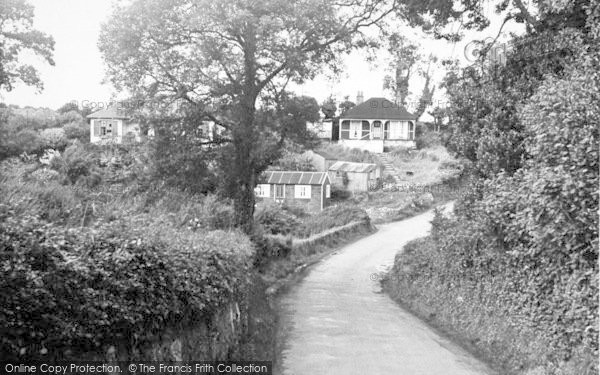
{"type": "Point", "coordinates": [211, 338]}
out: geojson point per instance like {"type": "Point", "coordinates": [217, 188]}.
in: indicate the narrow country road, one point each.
{"type": "Point", "coordinates": [337, 320]}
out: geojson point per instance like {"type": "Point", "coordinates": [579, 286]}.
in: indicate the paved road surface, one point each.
{"type": "Point", "coordinates": [337, 321]}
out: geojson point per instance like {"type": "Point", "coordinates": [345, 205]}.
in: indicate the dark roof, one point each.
{"type": "Point", "coordinates": [110, 112]}
{"type": "Point", "coordinates": [346, 166]}
{"type": "Point", "coordinates": [378, 109]}
{"type": "Point", "coordinates": [293, 178]}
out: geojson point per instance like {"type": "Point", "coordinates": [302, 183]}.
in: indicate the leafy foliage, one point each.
{"type": "Point", "coordinates": [521, 255]}
{"type": "Point", "coordinates": [17, 35]}
{"type": "Point", "coordinates": [276, 220]}
{"type": "Point", "coordinates": [72, 290]}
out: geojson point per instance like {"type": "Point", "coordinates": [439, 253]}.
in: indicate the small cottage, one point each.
{"type": "Point", "coordinates": [309, 190]}
{"type": "Point", "coordinates": [354, 176]}
{"type": "Point", "coordinates": [113, 125]}
{"type": "Point", "coordinates": [376, 125]}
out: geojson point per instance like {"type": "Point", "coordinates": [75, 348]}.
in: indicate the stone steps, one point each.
{"type": "Point", "coordinates": [389, 168]}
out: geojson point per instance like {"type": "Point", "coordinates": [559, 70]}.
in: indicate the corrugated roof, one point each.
{"type": "Point", "coordinates": [110, 112]}
{"type": "Point", "coordinates": [346, 166]}
{"type": "Point", "coordinates": [293, 178]}
{"type": "Point", "coordinates": [378, 109]}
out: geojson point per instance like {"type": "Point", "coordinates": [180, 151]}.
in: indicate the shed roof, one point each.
{"type": "Point", "coordinates": [346, 166]}
{"type": "Point", "coordinates": [326, 155]}
{"type": "Point", "coordinates": [378, 109]}
{"type": "Point", "coordinates": [110, 112]}
{"type": "Point", "coordinates": [293, 178]}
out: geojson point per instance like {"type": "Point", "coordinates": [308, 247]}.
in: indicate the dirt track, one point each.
{"type": "Point", "coordinates": [337, 321]}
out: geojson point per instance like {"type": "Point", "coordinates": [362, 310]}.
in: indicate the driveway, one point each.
{"type": "Point", "coordinates": [337, 320]}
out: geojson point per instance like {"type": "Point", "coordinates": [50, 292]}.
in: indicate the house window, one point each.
{"type": "Point", "coordinates": [302, 191]}
{"type": "Point", "coordinates": [397, 130]}
{"type": "Point", "coordinates": [366, 130]}
{"type": "Point", "coordinates": [411, 130]}
{"type": "Point", "coordinates": [262, 190]}
{"type": "Point", "coordinates": [355, 129]}
{"type": "Point", "coordinates": [345, 130]}
{"type": "Point", "coordinates": [327, 191]}
{"type": "Point", "coordinates": [279, 191]}
{"type": "Point", "coordinates": [106, 128]}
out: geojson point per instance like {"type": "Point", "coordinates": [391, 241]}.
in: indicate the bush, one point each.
{"type": "Point", "coordinates": [211, 213]}
{"type": "Point", "coordinates": [428, 139]}
{"type": "Point", "coordinates": [26, 140]}
{"type": "Point", "coordinates": [50, 200]}
{"type": "Point", "coordinates": [76, 162]}
{"type": "Point", "coordinates": [54, 138]}
{"type": "Point", "coordinates": [73, 290]}
{"type": "Point", "coordinates": [72, 116]}
{"type": "Point", "coordinates": [274, 219]}
{"type": "Point", "coordinates": [77, 130]}
{"type": "Point", "coordinates": [294, 162]}
{"type": "Point", "coordinates": [269, 248]}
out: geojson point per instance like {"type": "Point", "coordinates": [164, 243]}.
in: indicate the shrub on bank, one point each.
{"type": "Point", "coordinates": [274, 219]}
{"type": "Point", "coordinates": [80, 290]}
{"type": "Point", "coordinates": [330, 217]}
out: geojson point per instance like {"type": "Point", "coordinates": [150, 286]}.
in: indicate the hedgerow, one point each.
{"type": "Point", "coordinates": [69, 291]}
{"type": "Point", "coordinates": [516, 270]}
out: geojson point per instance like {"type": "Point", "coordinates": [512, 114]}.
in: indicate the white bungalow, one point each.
{"type": "Point", "coordinates": [112, 125]}
{"type": "Point", "coordinates": [377, 124]}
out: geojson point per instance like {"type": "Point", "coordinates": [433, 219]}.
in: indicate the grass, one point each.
{"type": "Point", "coordinates": [350, 154]}
{"type": "Point", "coordinates": [78, 205]}
{"type": "Point", "coordinates": [428, 166]}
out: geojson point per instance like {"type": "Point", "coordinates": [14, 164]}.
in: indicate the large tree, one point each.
{"type": "Point", "coordinates": [17, 35]}
{"type": "Point", "coordinates": [405, 60]}
{"type": "Point", "coordinates": [230, 62]}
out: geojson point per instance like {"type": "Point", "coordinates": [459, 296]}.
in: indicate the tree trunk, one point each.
{"type": "Point", "coordinates": [244, 139]}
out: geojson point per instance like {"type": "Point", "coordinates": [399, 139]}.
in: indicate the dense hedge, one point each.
{"type": "Point", "coordinates": [517, 269]}
{"type": "Point", "coordinates": [63, 290]}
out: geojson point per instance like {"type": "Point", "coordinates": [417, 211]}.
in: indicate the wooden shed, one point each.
{"type": "Point", "coordinates": [309, 190]}
{"type": "Point", "coordinates": [354, 176]}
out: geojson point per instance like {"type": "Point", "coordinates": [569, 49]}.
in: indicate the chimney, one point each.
{"type": "Point", "coordinates": [359, 98]}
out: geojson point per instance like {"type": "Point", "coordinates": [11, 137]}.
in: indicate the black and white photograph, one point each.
{"type": "Point", "coordinates": [299, 187]}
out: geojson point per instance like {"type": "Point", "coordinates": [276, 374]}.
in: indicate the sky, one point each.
{"type": "Point", "coordinates": [79, 70]}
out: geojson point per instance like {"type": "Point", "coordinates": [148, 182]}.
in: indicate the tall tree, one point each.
{"type": "Point", "coordinates": [329, 108]}
{"type": "Point", "coordinates": [404, 58]}
{"type": "Point", "coordinates": [230, 62]}
{"type": "Point", "coordinates": [17, 35]}
{"type": "Point", "coordinates": [407, 59]}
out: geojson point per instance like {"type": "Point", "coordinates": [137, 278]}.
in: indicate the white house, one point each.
{"type": "Point", "coordinates": [377, 124]}
{"type": "Point", "coordinates": [112, 125]}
